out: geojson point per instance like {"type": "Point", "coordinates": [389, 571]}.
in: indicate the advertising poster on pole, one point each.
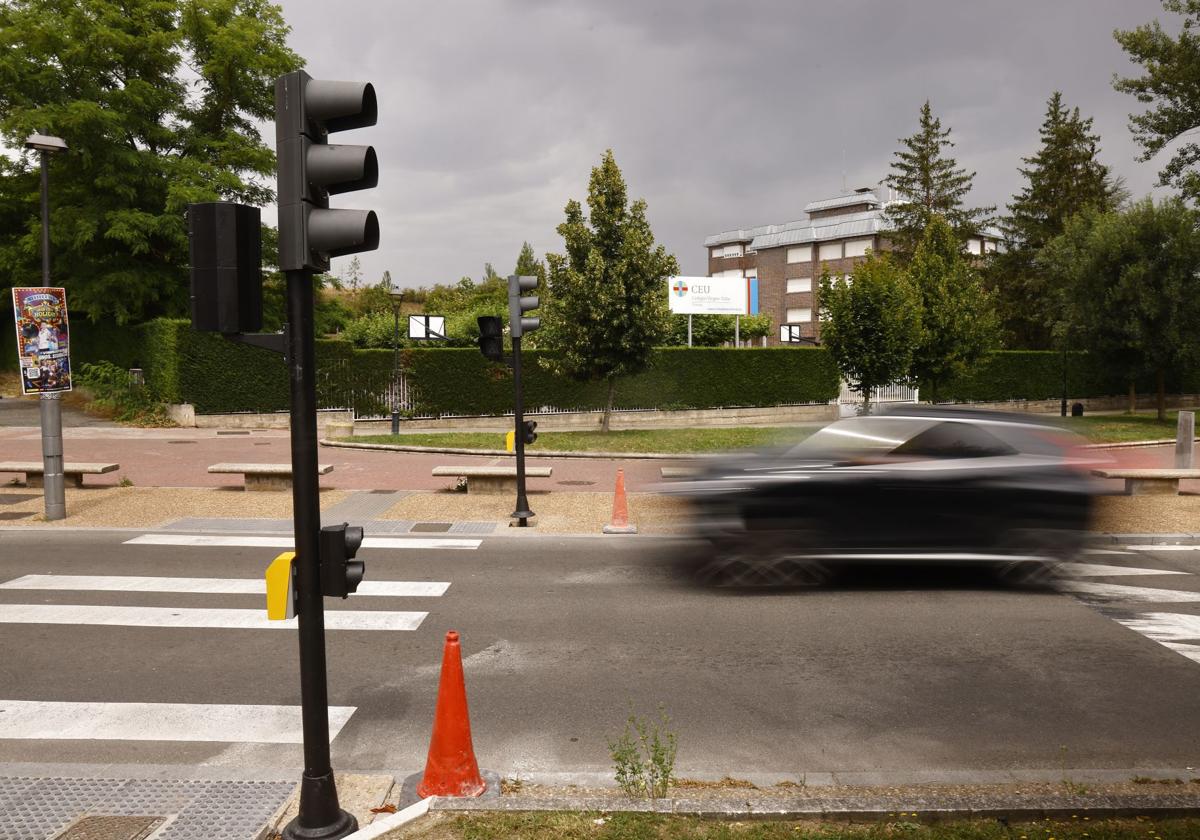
{"type": "Point", "coordinates": [40, 314]}
{"type": "Point", "coordinates": [713, 295]}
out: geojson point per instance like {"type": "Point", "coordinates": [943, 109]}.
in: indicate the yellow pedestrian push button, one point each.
{"type": "Point", "coordinates": [281, 588]}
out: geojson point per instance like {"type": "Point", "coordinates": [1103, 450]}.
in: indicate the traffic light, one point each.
{"type": "Point", "coordinates": [491, 337]}
{"type": "Point", "coordinates": [225, 251]}
{"type": "Point", "coordinates": [518, 325]}
{"type": "Point", "coordinates": [340, 572]}
{"type": "Point", "coordinates": [528, 431]}
{"type": "Point", "coordinates": [307, 111]}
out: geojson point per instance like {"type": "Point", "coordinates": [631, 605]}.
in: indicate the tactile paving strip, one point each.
{"type": "Point", "coordinates": [38, 809]}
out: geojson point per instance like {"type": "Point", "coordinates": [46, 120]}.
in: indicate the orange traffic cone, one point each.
{"type": "Point", "coordinates": [451, 769]}
{"type": "Point", "coordinates": [620, 515]}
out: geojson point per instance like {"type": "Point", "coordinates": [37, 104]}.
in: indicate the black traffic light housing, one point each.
{"type": "Point", "coordinates": [529, 431]}
{"type": "Point", "coordinates": [491, 337]}
{"type": "Point", "coordinates": [340, 572]}
{"type": "Point", "coordinates": [225, 250]}
{"type": "Point", "coordinates": [307, 111]}
{"type": "Point", "coordinates": [519, 304]}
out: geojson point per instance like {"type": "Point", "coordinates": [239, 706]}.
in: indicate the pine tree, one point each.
{"type": "Point", "coordinates": [528, 265]}
{"type": "Point", "coordinates": [605, 306]}
{"type": "Point", "coordinates": [1064, 177]}
{"type": "Point", "coordinates": [929, 182]}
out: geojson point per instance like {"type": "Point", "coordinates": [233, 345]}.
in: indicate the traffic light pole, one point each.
{"type": "Point", "coordinates": [320, 817]}
{"type": "Point", "coordinates": [522, 513]}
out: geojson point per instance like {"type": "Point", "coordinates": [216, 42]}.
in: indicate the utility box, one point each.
{"type": "Point", "coordinates": [226, 258]}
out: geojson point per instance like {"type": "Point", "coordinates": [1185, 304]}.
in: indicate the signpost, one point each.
{"type": "Point", "coordinates": [735, 296]}
{"type": "Point", "coordinates": [426, 327]}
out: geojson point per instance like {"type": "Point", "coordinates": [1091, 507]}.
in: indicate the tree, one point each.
{"type": "Point", "coordinates": [1062, 178]}
{"type": "Point", "coordinates": [929, 182]}
{"type": "Point", "coordinates": [1130, 287]}
{"type": "Point", "coordinates": [871, 324]}
{"type": "Point", "coordinates": [606, 302]}
{"type": "Point", "coordinates": [353, 276]}
{"type": "Point", "coordinates": [715, 330]}
{"type": "Point", "coordinates": [159, 102]}
{"type": "Point", "coordinates": [528, 265]}
{"type": "Point", "coordinates": [1171, 87]}
{"type": "Point", "coordinates": [958, 323]}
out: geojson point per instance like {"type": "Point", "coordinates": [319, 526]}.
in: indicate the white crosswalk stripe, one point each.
{"type": "Point", "coordinates": [1112, 592]}
{"type": "Point", "coordinates": [239, 541]}
{"type": "Point", "coordinates": [1099, 570]}
{"type": "Point", "coordinates": [235, 723]}
{"type": "Point", "coordinates": [227, 619]}
{"type": "Point", "coordinates": [209, 586]}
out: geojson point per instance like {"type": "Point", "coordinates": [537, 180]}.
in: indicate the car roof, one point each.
{"type": "Point", "coordinates": [954, 413]}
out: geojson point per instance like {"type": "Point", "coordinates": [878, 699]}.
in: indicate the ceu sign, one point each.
{"type": "Point", "coordinates": [713, 295]}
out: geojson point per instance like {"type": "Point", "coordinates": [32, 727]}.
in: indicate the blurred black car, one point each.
{"type": "Point", "coordinates": [911, 485]}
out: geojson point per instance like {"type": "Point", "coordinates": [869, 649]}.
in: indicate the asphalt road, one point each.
{"type": "Point", "coordinates": [929, 674]}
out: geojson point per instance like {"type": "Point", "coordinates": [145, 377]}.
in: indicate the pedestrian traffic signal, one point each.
{"type": "Point", "coordinates": [528, 431]}
{"type": "Point", "coordinates": [518, 325]}
{"type": "Point", "coordinates": [225, 251]}
{"type": "Point", "coordinates": [307, 111]}
{"type": "Point", "coordinates": [340, 572]}
{"type": "Point", "coordinates": [491, 337]}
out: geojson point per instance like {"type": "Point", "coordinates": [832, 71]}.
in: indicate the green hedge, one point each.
{"type": "Point", "coordinates": [451, 381]}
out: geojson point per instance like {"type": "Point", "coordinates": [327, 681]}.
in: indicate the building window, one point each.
{"type": "Point", "coordinates": [732, 251]}
{"type": "Point", "coordinates": [974, 246]}
{"type": "Point", "coordinates": [751, 273]}
{"type": "Point", "coordinates": [800, 254]}
{"type": "Point", "coordinates": [830, 251]}
{"type": "Point", "coordinates": [733, 272]}
{"type": "Point", "coordinates": [859, 247]}
{"type": "Point", "coordinates": [988, 246]}
{"type": "Point", "coordinates": [802, 315]}
{"type": "Point", "coordinates": [799, 284]}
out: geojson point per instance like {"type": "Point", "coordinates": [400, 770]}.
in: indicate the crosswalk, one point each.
{"type": "Point", "coordinates": [1128, 605]}
{"type": "Point", "coordinates": [57, 719]}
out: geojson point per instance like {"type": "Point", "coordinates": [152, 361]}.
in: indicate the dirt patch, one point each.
{"type": "Point", "coordinates": [147, 507]}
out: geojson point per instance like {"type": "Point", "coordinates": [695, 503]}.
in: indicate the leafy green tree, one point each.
{"type": "Point", "coordinates": [1170, 87]}
{"type": "Point", "coordinates": [715, 330]}
{"type": "Point", "coordinates": [958, 322]}
{"type": "Point", "coordinates": [1130, 286]}
{"type": "Point", "coordinates": [528, 265]}
{"type": "Point", "coordinates": [1062, 178]}
{"type": "Point", "coordinates": [159, 102]}
{"type": "Point", "coordinates": [871, 324]}
{"type": "Point", "coordinates": [606, 302]}
{"type": "Point", "coordinates": [929, 182]}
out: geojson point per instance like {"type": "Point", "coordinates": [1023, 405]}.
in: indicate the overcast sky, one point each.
{"type": "Point", "coordinates": [721, 114]}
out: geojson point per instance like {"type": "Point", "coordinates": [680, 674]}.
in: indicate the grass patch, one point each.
{"type": "Point", "coordinates": [675, 441]}
{"type": "Point", "coordinates": [624, 826]}
{"type": "Point", "coordinates": [1120, 428]}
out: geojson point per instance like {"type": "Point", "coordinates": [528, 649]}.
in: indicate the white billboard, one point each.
{"type": "Point", "coordinates": [713, 295]}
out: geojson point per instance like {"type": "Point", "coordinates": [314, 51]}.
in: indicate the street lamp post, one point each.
{"type": "Point", "coordinates": [397, 299]}
{"type": "Point", "coordinates": [49, 404]}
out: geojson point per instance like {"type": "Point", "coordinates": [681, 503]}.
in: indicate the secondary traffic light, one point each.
{"type": "Point", "coordinates": [528, 431]}
{"type": "Point", "coordinates": [491, 337]}
{"type": "Point", "coordinates": [518, 325]}
{"type": "Point", "coordinates": [307, 111]}
{"type": "Point", "coordinates": [340, 572]}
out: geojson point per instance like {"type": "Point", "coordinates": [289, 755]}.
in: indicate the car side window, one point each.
{"type": "Point", "coordinates": [953, 440]}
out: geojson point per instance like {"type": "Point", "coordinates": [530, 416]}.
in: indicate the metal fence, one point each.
{"type": "Point", "coordinates": [850, 402]}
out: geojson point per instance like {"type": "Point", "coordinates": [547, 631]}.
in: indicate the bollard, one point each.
{"type": "Point", "coordinates": [1185, 436]}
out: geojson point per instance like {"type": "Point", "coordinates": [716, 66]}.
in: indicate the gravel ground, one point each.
{"type": "Point", "coordinates": [556, 512]}
{"type": "Point", "coordinates": [147, 507]}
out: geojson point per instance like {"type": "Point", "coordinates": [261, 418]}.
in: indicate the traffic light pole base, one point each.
{"type": "Point", "coordinates": [317, 793]}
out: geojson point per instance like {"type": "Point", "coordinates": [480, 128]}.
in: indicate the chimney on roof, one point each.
{"type": "Point", "coordinates": [861, 190]}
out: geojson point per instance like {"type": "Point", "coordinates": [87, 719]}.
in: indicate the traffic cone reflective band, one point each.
{"type": "Point", "coordinates": [620, 515]}
{"type": "Point", "coordinates": [451, 769]}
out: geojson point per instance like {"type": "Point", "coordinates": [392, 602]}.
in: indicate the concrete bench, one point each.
{"type": "Point", "coordinates": [73, 472]}
{"type": "Point", "coordinates": [265, 476]}
{"type": "Point", "coordinates": [1149, 482]}
{"type": "Point", "coordinates": [679, 472]}
{"type": "Point", "coordinates": [492, 479]}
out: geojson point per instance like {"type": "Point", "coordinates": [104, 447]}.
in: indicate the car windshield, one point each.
{"type": "Point", "coordinates": [904, 437]}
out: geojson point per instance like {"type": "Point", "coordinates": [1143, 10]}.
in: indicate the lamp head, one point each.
{"type": "Point", "coordinates": [45, 143]}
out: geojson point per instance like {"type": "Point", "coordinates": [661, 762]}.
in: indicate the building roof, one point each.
{"type": "Point", "coordinates": [862, 197]}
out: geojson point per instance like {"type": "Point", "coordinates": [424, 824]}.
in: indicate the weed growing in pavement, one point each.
{"type": "Point", "coordinates": [1073, 788]}
{"type": "Point", "coordinates": [644, 755]}
{"type": "Point", "coordinates": [124, 482]}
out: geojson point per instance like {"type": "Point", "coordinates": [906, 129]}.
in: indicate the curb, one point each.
{"type": "Point", "coordinates": [385, 824]}
{"type": "Point", "coordinates": [1129, 444]}
{"type": "Point", "coordinates": [452, 450]}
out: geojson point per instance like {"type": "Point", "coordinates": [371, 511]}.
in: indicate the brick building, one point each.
{"type": "Point", "coordinates": [789, 259]}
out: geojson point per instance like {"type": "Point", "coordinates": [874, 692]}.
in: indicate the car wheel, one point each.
{"type": "Point", "coordinates": [739, 566]}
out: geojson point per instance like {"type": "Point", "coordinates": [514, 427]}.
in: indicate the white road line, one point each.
{"type": "Point", "coordinates": [1163, 547]}
{"type": "Point", "coordinates": [286, 542]}
{"type": "Point", "coordinates": [1165, 627]}
{"type": "Point", "coordinates": [43, 720]}
{"type": "Point", "coordinates": [209, 586]}
{"type": "Point", "coordinates": [191, 617]}
{"type": "Point", "coordinates": [1116, 592]}
{"type": "Point", "coordinates": [1097, 570]}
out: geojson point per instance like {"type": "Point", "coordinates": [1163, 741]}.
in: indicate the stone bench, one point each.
{"type": "Point", "coordinates": [1150, 481]}
{"type": "Point", "coordinates": [679, 472]}
{"type": "Point", "coordinates": [74, 472]}
{"type": "Point", "coordinates": [265, 476]}
{"type": "Point", "coordinates": [492, 479]}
